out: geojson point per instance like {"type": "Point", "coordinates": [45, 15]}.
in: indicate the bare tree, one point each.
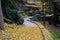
{"type": "Point", "coordinates": [1, 17]}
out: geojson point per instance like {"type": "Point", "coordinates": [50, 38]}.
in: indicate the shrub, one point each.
{"type": "Point", "coordinates": [10, 11]}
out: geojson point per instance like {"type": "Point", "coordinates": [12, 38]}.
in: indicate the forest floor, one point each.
{"type": "Point", "coordinates": [20, 32]}
{"type": "Point", "coordinates": [27, 31]}
{"type": "Point", "coordinates": [55, 31]}
{"type": "Point", "coordinates": [53, 28]}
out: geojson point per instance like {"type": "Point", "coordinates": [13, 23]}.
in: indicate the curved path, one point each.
{"type": "Point", "coordinates": [45, 33]}
{"type": "Point", "coordinates": [31, 30]}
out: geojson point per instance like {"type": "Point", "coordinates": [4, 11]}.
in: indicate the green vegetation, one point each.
{"type": "Point", "coordinates": [56, 35]}
{"type": "Point", "coordinates": [10, 11]}
{"type": "Point", "coordinates": [44, 0]}
{"type": "Point", "coordinates": [36, 17]}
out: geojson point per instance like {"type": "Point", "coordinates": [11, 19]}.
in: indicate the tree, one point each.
{"type": "Point", "coordinates": [1, 18]}
{"type": "Point", "coordinates": [55, 9]}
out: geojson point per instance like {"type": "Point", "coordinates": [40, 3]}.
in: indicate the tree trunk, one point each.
{"type": "Point", "coordinates": [1, 18]}
{"type": "Point", "coordinates": [51, 6]}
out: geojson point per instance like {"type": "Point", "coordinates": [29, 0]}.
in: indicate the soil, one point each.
{"type": "Point", "coordinates": [52, 27]}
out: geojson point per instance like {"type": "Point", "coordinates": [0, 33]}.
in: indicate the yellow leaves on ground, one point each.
{"type": "Point", "coordinates": [47, 34]}
{"type": "Point", "coordinates": [12, 32]}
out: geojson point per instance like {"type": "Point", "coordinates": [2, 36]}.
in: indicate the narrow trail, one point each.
{"type": "Point", "coordinates": [45, 33]}
{"type": "Point", "coordinates": [39, 28]}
